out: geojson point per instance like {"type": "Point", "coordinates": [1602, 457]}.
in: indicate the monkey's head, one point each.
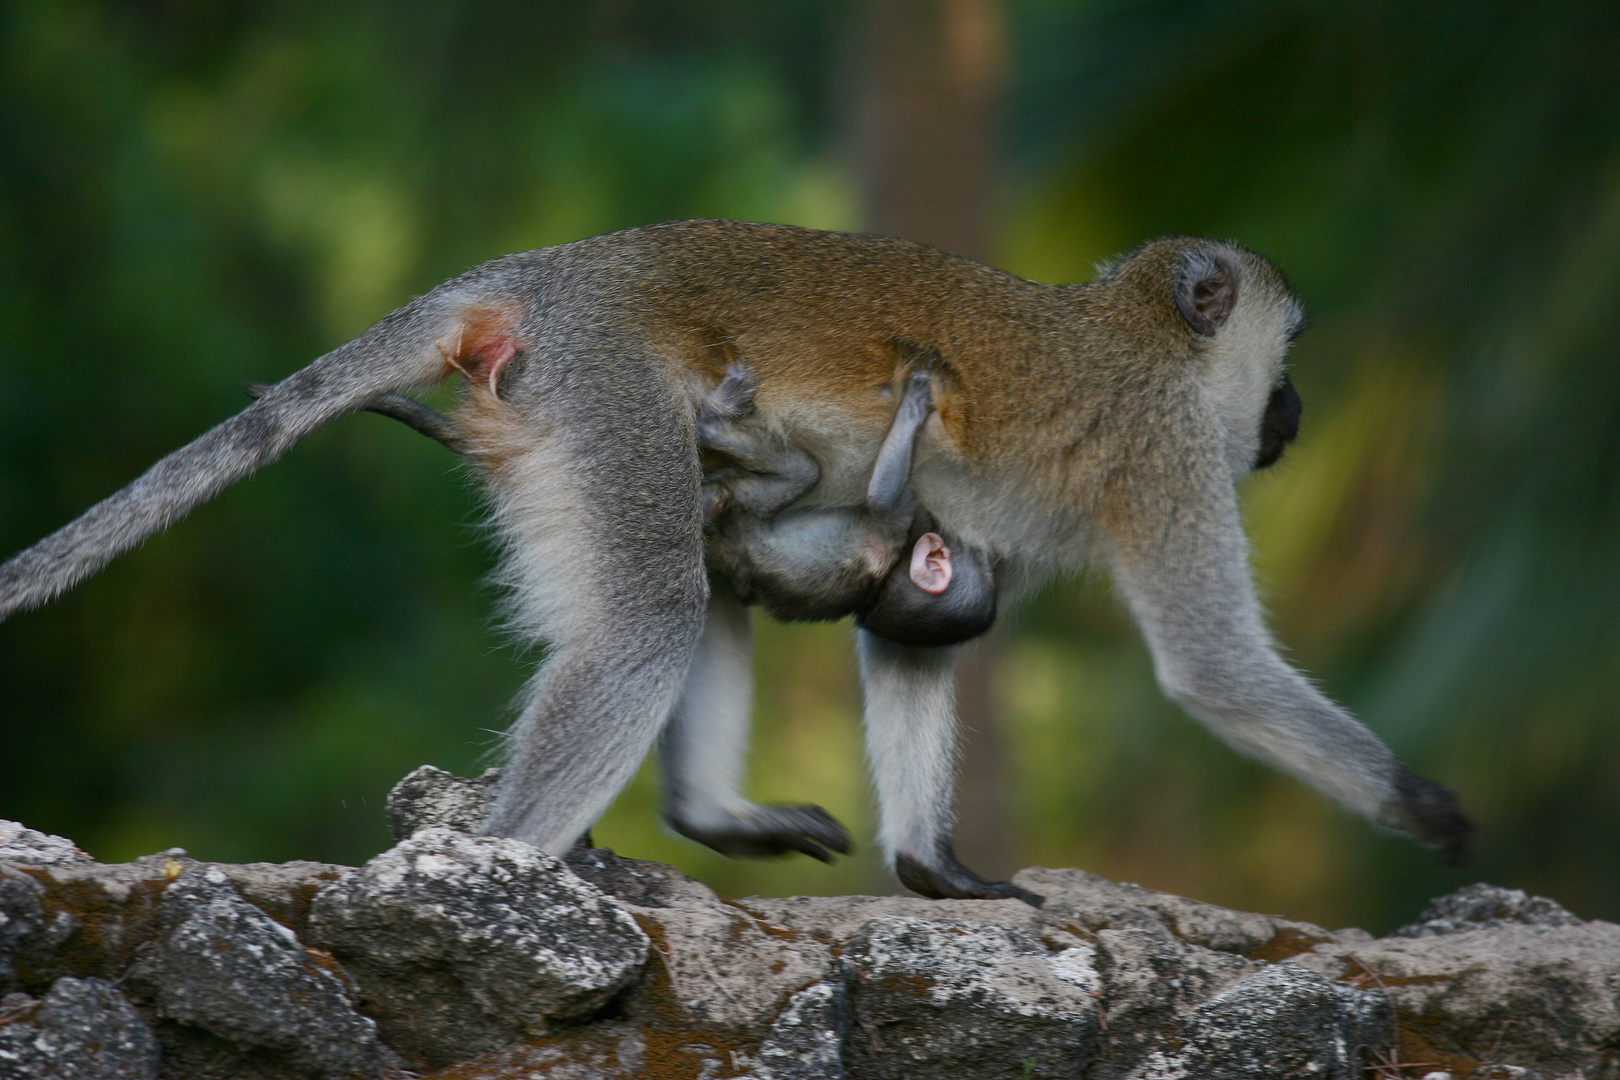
{"type": "Point", "coordinates": [1232, 312]}
{"type": "Point", "coordinates": [934, 596]}
{"type": "Point", "coordinates": [1243, 318]}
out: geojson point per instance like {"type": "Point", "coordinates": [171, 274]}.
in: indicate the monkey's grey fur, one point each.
{"type": "Point", "coordinates": [1107, 420]}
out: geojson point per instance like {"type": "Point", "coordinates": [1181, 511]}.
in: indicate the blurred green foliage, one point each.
{"type": "Point", "coordinates": [194, 193]}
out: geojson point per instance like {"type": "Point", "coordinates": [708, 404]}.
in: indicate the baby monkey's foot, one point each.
{"type": "Point", "coordinates": [948, 879]}
{"type": "Point", "coordinates": [772, 830]}
{"type": "Point", "coordinates": [733, 399]}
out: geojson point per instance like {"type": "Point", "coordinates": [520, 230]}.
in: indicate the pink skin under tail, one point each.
{"type": "Point", "coordinates": [484, 343]}
{"type": "Point", "coordinates": [497, 356]}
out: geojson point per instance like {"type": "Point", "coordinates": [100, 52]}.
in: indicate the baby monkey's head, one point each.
{"type": "Point", "coordinates": [934, 596]}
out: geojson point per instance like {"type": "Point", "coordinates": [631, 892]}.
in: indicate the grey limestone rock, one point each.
{"type": "Point", "coordinates": [1475, 907]}
{"type": "Point", "coordinates": [27, 847]}
{"type": "Point", "coordinates": [228, 969]}
{"type": "Point", "coordinates": [486, 958]}
{"type": "Point", "coordinates": [806, 1042]}
{"type": "Point", "coordinates": [840, 918]}
{"type": "Point", "coordinates": [27, 934]}
{"type": "Point", "coordinates": [1152, 962]}
{"type": "Point", "coordinates": [1284, 1022]}
{"type": "Point", "coordinates": [639, 882]}
{"type": "Point", "coordinates": [1498, 993]}
{"type": "Point", "coordinates": [1096, 903]}
{"type": "Point", "coordinates": [430, 796]}
{"type": "Point", "coordinates": [461, 944]}
{"type": "Point", "coordinates": [1153, 983]}
{"type": "Point", "coordinates": [84, 1029]}
{"type": "Point", "coordinates": [610, 1050]}
{"type": "Point", "coordinates": [117, 907]}
{"type": "Point", "coordinates": [719, 966]}
{"type": "Point", "coordinates": [931, 997]}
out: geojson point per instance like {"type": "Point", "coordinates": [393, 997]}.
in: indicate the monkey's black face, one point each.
{"type": "Point", "coordinates": [1280, 425]}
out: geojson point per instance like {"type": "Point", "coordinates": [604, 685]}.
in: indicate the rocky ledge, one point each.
{"type": "Point", "coordinates": [457, 957]}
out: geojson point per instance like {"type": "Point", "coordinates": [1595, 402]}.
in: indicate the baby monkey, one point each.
{"type": "Point", "coordinates": [885, 562]}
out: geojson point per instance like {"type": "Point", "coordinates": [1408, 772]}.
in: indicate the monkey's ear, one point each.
{"type": "Point", "coordinates": [931, 564]}
{"type": "Point", "coordinates": [1206, 292]}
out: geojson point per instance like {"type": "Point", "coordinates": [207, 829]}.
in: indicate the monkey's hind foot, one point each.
{"type": "Point", "coordinates": [769, 831]}
{"type": "Point", "coordinates": [1430, 813]}
{"type": "Point", "coordinates": [950, 880]}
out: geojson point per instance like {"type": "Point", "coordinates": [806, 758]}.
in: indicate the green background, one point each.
{"type": "Point", "coordinates": [195, 193]}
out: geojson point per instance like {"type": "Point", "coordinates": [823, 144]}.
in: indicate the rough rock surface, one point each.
{"type": "Point", "coordinates": [84, 1029]}
{"type": "Point", "coordinates": [27, 933]}
{"type": "Point", "coordinates": [429, 796]}
{"type": "Point", "coordinates": [930, 996]}
{"type": "Point", "coordinates": [806, 1041]}
{"type": "Point", "coordinates": [484, 959]}
{"type": "Point", "coordinates": [461, 944]}
{"type": "Point", "coordinates": [226, 968]}
{"type": "Point", "coordinates": [1478, 907]}
{"type": "Point", "coordinates": [721, 968]}
{"type": "Point", "coordinates": [1282, 1021]}
{"type": "Point", "coordinates": [1490, 976]}
{"type": "Point", "coordinates": [19, 844]}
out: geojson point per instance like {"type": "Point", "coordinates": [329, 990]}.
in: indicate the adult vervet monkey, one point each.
{"type": "Point", "coordinates": [1109, 419]}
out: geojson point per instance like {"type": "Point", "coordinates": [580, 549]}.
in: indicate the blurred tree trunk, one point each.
{"type": "Point", "coordinates": [929, 90]}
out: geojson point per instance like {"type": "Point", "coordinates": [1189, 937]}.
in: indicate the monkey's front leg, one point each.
{"type": "Point", "coordinates": [703, 748]}
{"type": "Point", "coordinates": [1184, 568]}
{"type": "Point", "coordinates": [911, 741]}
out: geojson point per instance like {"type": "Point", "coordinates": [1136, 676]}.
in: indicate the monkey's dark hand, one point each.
{"type": "Point", "coordinates": [771, 831]}
{"type": "Point", "coordinates": [950, 880]}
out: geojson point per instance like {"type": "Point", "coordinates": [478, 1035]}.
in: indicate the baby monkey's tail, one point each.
{"type": "Point", "coordinates": [417, 345]}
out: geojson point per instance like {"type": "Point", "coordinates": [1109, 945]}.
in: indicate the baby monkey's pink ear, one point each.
{"type": "Point", "coordinates": [931, 564]}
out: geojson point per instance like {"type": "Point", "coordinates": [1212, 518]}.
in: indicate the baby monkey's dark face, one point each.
{"type": "Point", "coordinates": [1280, 425]}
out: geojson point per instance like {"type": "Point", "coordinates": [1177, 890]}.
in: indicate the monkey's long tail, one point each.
{"type": "Point", "coordinates": [397, 354]}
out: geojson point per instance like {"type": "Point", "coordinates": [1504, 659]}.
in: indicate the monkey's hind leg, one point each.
{"type": "Point", "coordinates": [911, 740]}
{"type": "Point", "coordinates": [703, 747]}
{"type": "Point", "coordinates": [603, 560]}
